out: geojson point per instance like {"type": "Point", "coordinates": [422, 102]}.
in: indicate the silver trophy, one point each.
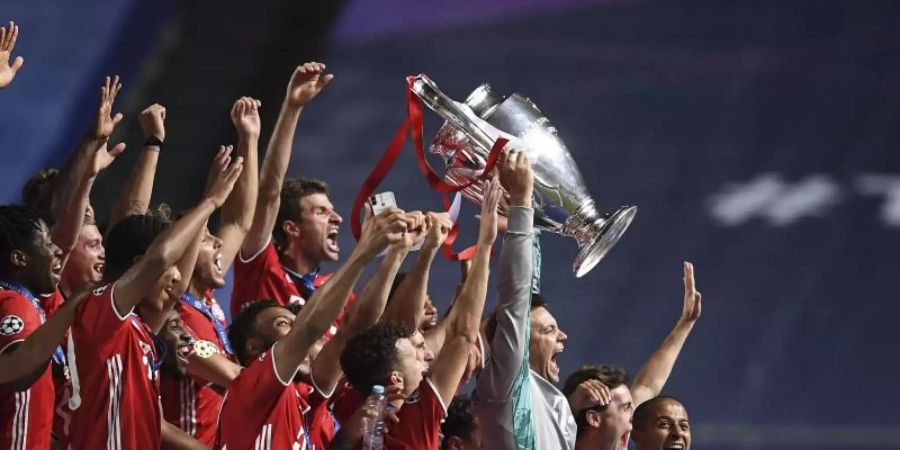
{"type": "Point", "coordinates": [561, 202]}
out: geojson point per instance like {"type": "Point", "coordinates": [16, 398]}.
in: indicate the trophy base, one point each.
{"type": "Point", "coordinates": [612, 229]}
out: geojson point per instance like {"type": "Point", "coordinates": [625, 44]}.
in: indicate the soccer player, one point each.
{"type": "Point", "coordinates": [193, 402]}
{"type": "Point", "coordinates": [385, 355]}
{"type": "Point", "coordinates": [30, 265]}
{"type": "Point", "coordinates": [297, 213]}
{"type": "Point", "coordinates": [265, 407]}
{"type": "Point", "coordinates": [8, 38]}
{"type": "Point", "coordinates": [662, 423]}
{"type": "Point", "coordinates": [113, 358]}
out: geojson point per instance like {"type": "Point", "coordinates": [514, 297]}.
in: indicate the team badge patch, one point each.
{"type": "Point", "coordinates": [205, 349]}
{"type": "Point", "coordinates": [99, 291]}
{"type": "Point", "coordinates": [218, 313]}
{"type": "Point", "coordinates": [11, 325]}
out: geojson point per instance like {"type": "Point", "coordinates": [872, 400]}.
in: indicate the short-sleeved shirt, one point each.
{"type": "Point", "coordinates": [191, 403]}
{"type": "Point", "coordinates": [26, 417]}
{"type": "Point", "coordinates": [262, 277]}
{"type": "Point", "coordinates": [263, 411]}
{"type": "Point", "coordinates": [51, 304]}
{"type": "Point", "coordinates": [320, 422]}
{"type": "Point", "coordinates": [114, 367]}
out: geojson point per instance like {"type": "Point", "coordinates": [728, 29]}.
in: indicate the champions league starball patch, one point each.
{"type": "Point", "coordinates": [11, 325]}
{"type": "Point", "coordinates": [205, 349]}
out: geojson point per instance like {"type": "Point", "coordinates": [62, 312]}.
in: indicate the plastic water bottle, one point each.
{"type": "Point", "coordinates": [374, 437]}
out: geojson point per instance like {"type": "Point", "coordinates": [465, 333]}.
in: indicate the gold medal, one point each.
{"type": "Point", "coordinates": [205, 349]}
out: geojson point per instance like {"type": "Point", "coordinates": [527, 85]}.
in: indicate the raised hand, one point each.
{"type": "Point", "coordinates": [105, 122]}
{"type": "Point", "coordinates": [439, 226]}
{"type": "Point", "coordinates": [223, 179]}
{"type": "Point", "coordinates": [588, 394]}
{"type": "Point", "coordinates": [219, 165]}
{"type": "Point", "coordinates": [102, 158]}
{"type": "Point", "coordinates": [378, 232]}
{"type": "Point", "coordinates": [492, 193]}
{"type": "Point", "coordinates": [516, 177]}
{"type": "Point", "coordinates": [8, 36]}
{"type": "Point", "coordinates": [691, 310]}
{"type": "Point", "coordinates": [153, 121]}
{"type": "Point", "coordinates": [416, 229]}
{"type": "Point", "coordinates": [308, 80]}
{"type": "Point", "coordinates": [245, 116]}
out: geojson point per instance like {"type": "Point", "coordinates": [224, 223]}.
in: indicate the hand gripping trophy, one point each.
{"type": "Point", "coordinates": [561, 202]}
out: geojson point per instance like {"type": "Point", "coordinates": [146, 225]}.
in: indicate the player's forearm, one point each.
{"type": "Point", "coordinates": [408, 305]}
{"type": "Point", "coordinates": [652, 377]}
{"type": "Point", "coordinates": [135, 197]}
{"type": "Point", "coordinates": [238, 210]}
{"type": "Point", "coordinates": [173, 438]}
{"type": "Point", "coordinates": [465, 318]}
{"type": "Point", "coordinates": [69, 176]}
{"type": "Point", "coordinates": [35, 351]}
{"type": "Point", "coordinates": [168, 248]}
{"type": "Point", "coordinates": [66, 231]}
{"type": "Point", "coordinates": [371, 302]}
{"type": "Point", "coordinates": [215, 369]}
{"type": "Point", "coordinates": [188, 260]}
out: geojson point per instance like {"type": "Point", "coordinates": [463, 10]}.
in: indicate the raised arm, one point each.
{"type": "Point", "coordinates": [65, 232]}
{"type": "Point", "coordinates": [327, 302]}
{"type": "Point", "coordinates": [408, 304]}
{"type": "Point", "coordinates": [368, 307]}
{"type": "Point", "coordinates": [653, 375]}
{"type": "Point", "coordinates": [66, 183]}
{"type": "Point", "coordinates": [8, 36]}
{"type": "Point", "coordinates": [509, 344]}
{"type": "Point", "coordinates": [306, 82]}
{"type": "Point", "coordinates": [135, 197]}
{"type": "Point", "coordinates": [464, 320]}
{"type": "Point", "coordinates": [237, 212]}
{"type": "Point", "coordinates": [168, 248]}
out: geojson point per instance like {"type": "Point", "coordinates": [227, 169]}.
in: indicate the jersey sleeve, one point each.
{"type": "Point", "coordinates": [258, 387]}
{"type": "Point", "coordinates": [254, 278]}
{"type": "Point", "coordinates": [98, 317]}
{"type": "Point", "coordinates": [18, 319]}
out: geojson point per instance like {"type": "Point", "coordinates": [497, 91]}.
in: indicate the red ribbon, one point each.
{"type": "Point", "coordinates": [413, 124]}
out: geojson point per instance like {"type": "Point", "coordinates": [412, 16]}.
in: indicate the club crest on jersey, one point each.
{"type": "Point", "coordinates": [217, 312]}
{"type": "Point", "coordinates": [11, 325]}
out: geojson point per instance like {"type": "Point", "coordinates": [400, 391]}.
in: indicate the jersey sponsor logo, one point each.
{"type": "Point", "coordinates": [11, 325]}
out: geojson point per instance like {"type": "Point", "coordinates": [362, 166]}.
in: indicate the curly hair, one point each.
{"type": "Point", "coordinates": [370, 356]}
{"type": "Point", "coordinates": [460, 421]}
{"type": "Point", "coordinates": [130, 238]}
{"type": "Point", "coordinates": [243, 327]}
{"type": "Point", "coordinates": [18, 227]}
{"type": "Point", "coordinates": [292, 191]}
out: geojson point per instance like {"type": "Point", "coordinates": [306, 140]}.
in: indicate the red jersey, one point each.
{"type": "Point", "coordinates": [261, 411]}
{"type": "Point", "coordinates": [262, 277]}
{"type": "Point", "coordinates": [320, 422]}
{"type": "Point", "coordinates": [26, 417]}
{"type": "Point", "coordinates": [51, 304]}
{"type": "Point", "coordinates": [190, 403]}
{"type": "Point", "coordinates": [113, 362]}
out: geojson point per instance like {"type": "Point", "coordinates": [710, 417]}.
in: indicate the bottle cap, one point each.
{"type": "Point", "coordinates": [378, 389]}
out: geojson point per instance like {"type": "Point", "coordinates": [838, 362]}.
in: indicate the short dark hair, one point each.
{"type": "Point", "coordinates": [292, 191]}
{"type": "Point", "coordinates": [370, 356]}
{"type": "Point", "coordinates": [130, 238]}
{"type": "Point", "coordinates": [611, 376]}
{"type": "Point", "coordinates": [490, 329]}
{"type": "Point", "coordinates": [642, 412]}
{"type": "Point", "coordinates": [243, 327]}
{"type": "Point", "coordinates": [18, 225]}
{"type": "Point", "coordinates": [37, 192]}
{"type": "Point", "coordinates": [460, 421]}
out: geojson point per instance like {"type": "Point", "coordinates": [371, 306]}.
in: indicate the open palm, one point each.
{"type": "Point", "coordinates": [8, 36]}
{"type": "Point", "coordinates": [306, 83]}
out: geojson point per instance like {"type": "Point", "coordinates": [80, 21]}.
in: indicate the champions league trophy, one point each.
{"type": "Point", "coordinates": [561, 202]}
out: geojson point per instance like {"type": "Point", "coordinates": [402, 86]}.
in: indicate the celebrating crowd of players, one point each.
{"type": "Point", "coordinates": [110, 335]}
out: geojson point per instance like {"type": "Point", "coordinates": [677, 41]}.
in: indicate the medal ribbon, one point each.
{"type": "Point", "coordinates": [59, 356]}
{"type": "Point", "coordinates": [199, 305]}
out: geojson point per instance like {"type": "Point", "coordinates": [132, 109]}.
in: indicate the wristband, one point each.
{"type": "Point", "coordinates": [153, 141]}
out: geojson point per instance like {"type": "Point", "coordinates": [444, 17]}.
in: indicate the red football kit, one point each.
{"type": "Point", "coordinates": [261, 411]}
{"type": "Point", "coordinates": [26, 417]}
{"type": "Point", "coordinates": [190, 403]}
{"type": "Point", "coordinates": [114, 367]}
{"type": "Point", "coordinates": [51, 304]}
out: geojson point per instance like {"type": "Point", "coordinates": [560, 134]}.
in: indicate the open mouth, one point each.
{"type": "Point", "coordinates": [623, 441]}
{"type": "Point", "coordinates": [331, 240]}
{"type": "Point", "coordinates": [555, 357]}
{"type": "Point", "coordinates": [674, 446]}
{"type": "Point", "coordinates": [217, 262]}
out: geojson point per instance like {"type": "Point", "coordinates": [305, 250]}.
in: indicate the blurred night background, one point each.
{"type": "Point", "coordinates": [759, 139]}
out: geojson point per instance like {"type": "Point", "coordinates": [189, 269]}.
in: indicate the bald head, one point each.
{"type": "Point", "coordinates": [661, 423]}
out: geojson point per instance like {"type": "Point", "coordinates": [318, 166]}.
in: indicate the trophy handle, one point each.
{"type": "Point", "coordinates": [459, 115]}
